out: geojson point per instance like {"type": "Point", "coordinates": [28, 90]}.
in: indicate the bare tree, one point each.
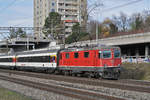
{"type": "Point", "coordinates": [137, 22]}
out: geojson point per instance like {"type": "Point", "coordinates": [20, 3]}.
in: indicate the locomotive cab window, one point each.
{"type": "Point", "coordinates": [117, 53]}
{"type": "Point", "coordinates": [67, 55]}
{"type": "Point", "coordinates": [107, 54]}
{"type": "Point", "coordinates": [76, 55]}
{"type": "Point", "coordinates": [86, 54]}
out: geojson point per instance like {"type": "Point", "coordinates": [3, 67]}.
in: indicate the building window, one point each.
{"type": "Point", "coordinates": [66, 26]}
{"type": "Point", "coordinates": [53, 4]}
{"type": "Point", "coordinates": [52, 10]}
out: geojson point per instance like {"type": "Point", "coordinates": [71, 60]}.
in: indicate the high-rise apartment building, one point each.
{"type": "Point", "coordinates": [72, 11]}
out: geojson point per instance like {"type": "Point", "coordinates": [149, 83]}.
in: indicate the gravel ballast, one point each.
{"type": "Point", "coordinates": [129, 95]}
{"type": "Point", "coordinates": [36, 94]}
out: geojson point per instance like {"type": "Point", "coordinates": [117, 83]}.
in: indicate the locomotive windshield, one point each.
{"type": "Point", "coordinates": [117, 53]}
{"type": "Point", "coordinates": [107, 54]}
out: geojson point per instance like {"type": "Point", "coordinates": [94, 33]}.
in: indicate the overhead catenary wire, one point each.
{"type": "Point", "coordinates": [122, 5]}
{"type": "Point", "coordinates": [119, 6]}
{"type": "Point", "coordinates": [23, 22]}
{"type": "Point", "coordinates": [9, 5]}
{"type": "Point", "coordinates": [109, 9]}
{"type": "Point", "coordinates": [148, 5]}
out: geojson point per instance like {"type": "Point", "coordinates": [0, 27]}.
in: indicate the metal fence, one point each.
{"type": "Point", "coordinates": [135, 59]}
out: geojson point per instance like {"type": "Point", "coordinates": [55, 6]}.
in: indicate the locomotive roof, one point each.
{"type": "Point", "coordinates": [89, 48]}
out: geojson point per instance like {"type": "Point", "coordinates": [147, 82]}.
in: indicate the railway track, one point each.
{"type": "Point", "coordinates": [129, 85]}
{"type": "Point", "coordinates": [64, 90]}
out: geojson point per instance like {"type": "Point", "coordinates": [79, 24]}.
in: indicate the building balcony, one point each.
{"type": "Point", "coordinates": [69, 18]}
{"type": "Point", "coordinates": [68, 7]}
{"type": "Point", "coordinates": [68, 1]}
{"type": "Point", "coordinates": [68, 13]}
{"type": "Point", "coordinates": [71, 7]}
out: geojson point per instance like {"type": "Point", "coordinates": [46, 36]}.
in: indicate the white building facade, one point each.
{"type": "Point", "coordinates": [72, 11]}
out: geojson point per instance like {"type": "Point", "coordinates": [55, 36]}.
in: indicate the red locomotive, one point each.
{"type": "Point", "coordinates": [95, 62]}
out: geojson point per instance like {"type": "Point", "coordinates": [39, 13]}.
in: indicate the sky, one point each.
{"type": "Point", "coordinates": [16, 13]}
{"type": "Point", "coordinates": [19, 13]}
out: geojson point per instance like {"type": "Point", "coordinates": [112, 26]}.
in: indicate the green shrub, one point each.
{"type": "Point", "coordinates": [140, 71]}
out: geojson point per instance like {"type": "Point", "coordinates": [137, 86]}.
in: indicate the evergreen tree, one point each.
{"type": "Point", "coordinates": [53, 24]}
{"type": "Point", "coordinates": [17, 33]}
{"type": "Point", "coordinates": [76, 35]}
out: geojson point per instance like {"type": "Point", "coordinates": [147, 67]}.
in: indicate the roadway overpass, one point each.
{"type": "Point", "coordinates": [135, 45]}
{"type": "Point", "coordinates": [131, 45]}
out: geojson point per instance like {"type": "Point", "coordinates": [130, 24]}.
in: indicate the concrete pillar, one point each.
{"type": "Point", "coordinates": [137, 52]}
{"type": "Point", "coordinates": [129, 52]}
{"type": "Point", "coordinates": [146, 51]}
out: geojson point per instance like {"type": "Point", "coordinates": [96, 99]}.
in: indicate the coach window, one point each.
{"type": "Point", "coordinates": [67, 55]}
{"type": "Point", "coordinates": [45, 59]}
{"type": "Point", "coordinates": [76, 55]}
{"type": "Point", "coordinates": [10, 60]}
{"type": "Point", "coordinates": [86, 54]}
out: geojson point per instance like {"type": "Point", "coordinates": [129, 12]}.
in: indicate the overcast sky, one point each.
{"type": "Point", "coordinates": [20, 12]}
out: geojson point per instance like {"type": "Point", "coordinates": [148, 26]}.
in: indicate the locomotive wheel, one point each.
{"type": "Point", "coordinates": [97, 75]}
{"type": "Point", "coordinates": [116, 76]}
{"type": "Point", "coordinates": [79, 75]}
{"type": "Point", "coordinates": [74, 74]}
{"type": "Point", "coordinates": [89, 75]}
{"type": "Point", "coordinates": [66, 73]}
{"type": "Point", "coordinates": [104, 75]}
{"type": "Point", "coordinates": [12, 68]}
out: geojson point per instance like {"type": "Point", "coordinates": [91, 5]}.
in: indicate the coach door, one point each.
{"type": "Point", "coordinates": [53, 59]}
{"type": "Point", "coordinates": [14, 61]}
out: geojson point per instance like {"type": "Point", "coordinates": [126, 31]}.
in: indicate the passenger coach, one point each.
{"type": "Point", "coordinates": [37, 60]}
{"type": "Point", "coordinates": [7, 61]}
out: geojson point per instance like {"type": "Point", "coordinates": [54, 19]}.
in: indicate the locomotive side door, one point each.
{"type": "Point", "coordinates": [96, 60]}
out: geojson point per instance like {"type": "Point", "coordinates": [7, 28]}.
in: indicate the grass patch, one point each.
{"type": "Point", "coordinates": [140, 71]}
{"type": "Point", "coordinates": [10, 95]}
